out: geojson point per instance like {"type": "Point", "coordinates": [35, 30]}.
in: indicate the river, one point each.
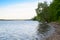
{"type": "Point", "coordinates": [22, 30]}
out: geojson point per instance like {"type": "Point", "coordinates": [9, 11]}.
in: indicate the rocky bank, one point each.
{"type": "Point", "coordinates": [56, 34]}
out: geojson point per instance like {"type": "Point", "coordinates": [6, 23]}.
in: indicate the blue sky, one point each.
{"type": "Point", "coordinates": [18, 9]}
{"type": "Point", "coordinates": [7, 2]}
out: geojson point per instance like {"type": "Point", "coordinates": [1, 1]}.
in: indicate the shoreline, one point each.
{"type": "Point", "coordinates": [15, 19]}
{"type": "Point", "coordinates": [56, 34]}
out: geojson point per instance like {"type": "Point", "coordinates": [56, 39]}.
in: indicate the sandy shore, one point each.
{"type": "Point", "coordinates": [56, 34]}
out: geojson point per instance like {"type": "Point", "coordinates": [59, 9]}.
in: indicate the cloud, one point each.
{"type": "Point", "coordinates": [18, 11]}
{"type": "Point", "coordinates": [48, 1]}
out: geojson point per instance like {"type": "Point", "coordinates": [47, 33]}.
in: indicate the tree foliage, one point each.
{"type": "Point", "coordinates": [54, 10]}
{"type": "Point", "coordinates": [49, 13]}
{"type": "Point", "coordinates": [42, 12]}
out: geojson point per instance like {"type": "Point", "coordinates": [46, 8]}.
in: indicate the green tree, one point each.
{"type": "Point", "coordinates": [42, 12]}
{"type": "Point", "coordinates": [49, 13]}
{"type": "Point", "coordinates": [54, 10]}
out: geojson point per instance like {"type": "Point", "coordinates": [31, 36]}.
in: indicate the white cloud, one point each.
{"type": "Point", "coordinates": [18, 11]}
{"type": "Point", "coordinates": [48, 1]}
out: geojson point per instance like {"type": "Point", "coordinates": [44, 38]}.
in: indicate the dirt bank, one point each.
{"type": "Point", "coordinates": [56, 34]}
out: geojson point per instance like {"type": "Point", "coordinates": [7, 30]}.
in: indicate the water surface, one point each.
{"type": "Point", "coordinates": [20, 30]}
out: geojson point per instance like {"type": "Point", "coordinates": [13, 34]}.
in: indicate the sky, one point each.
{"type": "Point", "coordinates": [18, 9]}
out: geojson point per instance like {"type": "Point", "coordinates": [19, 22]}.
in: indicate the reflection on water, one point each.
{"type": "Point", "coordinates": [23, 30]}
{"type": "Point", "coordinates": [45, 29]}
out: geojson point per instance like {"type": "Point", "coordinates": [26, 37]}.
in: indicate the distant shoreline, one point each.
{"type": "Point", "coordinates": [15, 19]}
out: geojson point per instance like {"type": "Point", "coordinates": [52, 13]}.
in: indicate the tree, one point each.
{"type": "Point", "coordinates": [42, 12]}
{"type": "Point", "coordinates": [54, 10]}
{"type": "Point", "coordinates": [49, 13]}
